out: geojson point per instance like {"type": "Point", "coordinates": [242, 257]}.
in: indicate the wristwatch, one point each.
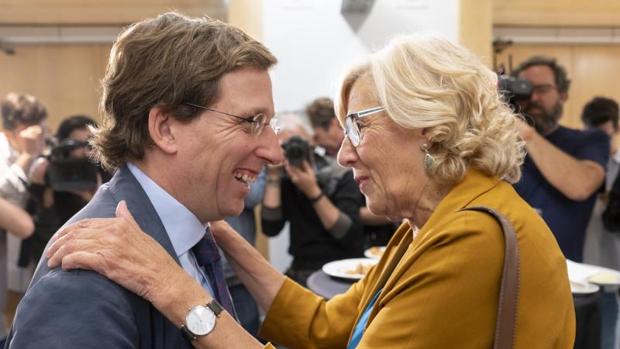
{"type": "Point", "coordinates": [200, 320]}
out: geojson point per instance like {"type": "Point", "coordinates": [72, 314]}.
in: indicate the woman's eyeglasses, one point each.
{"type": "Point", "coordinates": [351, 126]}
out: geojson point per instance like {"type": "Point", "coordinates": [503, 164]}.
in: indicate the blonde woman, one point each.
{"type": "Point", "coordinates": [427, 138]}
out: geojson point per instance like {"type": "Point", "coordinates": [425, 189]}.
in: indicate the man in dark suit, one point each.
{"type": "Point", "coordinates": [188, 109]}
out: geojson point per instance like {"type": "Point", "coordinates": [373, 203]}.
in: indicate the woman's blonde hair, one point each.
{"type": "Point", "coordinates": [429, 82]}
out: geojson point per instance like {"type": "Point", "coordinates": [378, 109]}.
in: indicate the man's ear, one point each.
{"type": "Point", "coordinates": [334, 122]}
{"type": "Point", "coordinates": [161, 129]}
{"type": "Point", "coordinates": [563, 96]}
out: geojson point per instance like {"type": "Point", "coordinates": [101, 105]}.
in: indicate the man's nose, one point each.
{"type": "Point", "coordinates": [270, 150]}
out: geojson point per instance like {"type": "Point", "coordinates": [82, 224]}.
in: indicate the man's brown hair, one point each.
{"type": "Point", "coordinates": [167, 61]}
{"type": "Point", "coordinates": [321, 112]}
{"type": "Point", "coordinates": [21, 109]}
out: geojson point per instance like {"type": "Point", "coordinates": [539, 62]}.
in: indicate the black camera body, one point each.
{"type": "Point", "coordinates": [296, 150]}
{"type": "Point", "coordinates": [514, 90]}
{"type": "Point", "coordinates": [66, 173]}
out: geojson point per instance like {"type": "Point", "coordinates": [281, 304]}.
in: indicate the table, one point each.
{"type": "Point", "coordinates": [327, 286]}
{"type": "Point", "coordinates": [587, 310]}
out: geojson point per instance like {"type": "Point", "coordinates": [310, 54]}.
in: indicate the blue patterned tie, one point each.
{"type": "Point", "coordinates": [208, 257]}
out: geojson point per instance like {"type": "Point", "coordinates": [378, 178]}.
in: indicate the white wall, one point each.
{"type": "Point", "coordinates": [315, 43]}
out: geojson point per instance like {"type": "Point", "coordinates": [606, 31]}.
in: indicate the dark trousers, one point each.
{"type": "Point", "coordinates": [246, 308]}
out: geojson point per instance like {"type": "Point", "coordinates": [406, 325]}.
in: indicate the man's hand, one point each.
{"type": "Point", "coordinates": [304, 178]}
{"type": "Point", "coordinates": [525, 131]}
{"type": "Point", "coordinates": [38, 171]}
{"type": "Point", "coordinates": [31, 140]}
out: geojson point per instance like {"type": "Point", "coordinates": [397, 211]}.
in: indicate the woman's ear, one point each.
{"type": "Point", "coordinates": [425, 133]}
{"type": "Point", "coordinates": [161, 129]}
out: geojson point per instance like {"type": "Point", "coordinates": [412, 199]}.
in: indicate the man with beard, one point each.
{"type": "Point", "coordinates": [564, 167]}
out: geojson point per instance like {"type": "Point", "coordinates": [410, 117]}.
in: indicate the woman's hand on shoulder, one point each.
{"type": "Point", "coordinates": [118, 249]}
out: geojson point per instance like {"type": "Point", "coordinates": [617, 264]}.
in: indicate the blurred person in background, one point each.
{"type": "Point", "coordinates": [15, 219]}
{"type": "Point", "coordinates": [602, 245]}
{"type": "Point", "coordinates": [319, 199]}
{"type": "Point", "coordinates": [429, 139]}
{"type": "Point", "coordinates": [61, 184]}
{"type": "Point", "coordinates": [21, 142]}
{"type": "Point", "coordinates": [564, 167]}
{"type": "Point", "coordinates": [328, 134]}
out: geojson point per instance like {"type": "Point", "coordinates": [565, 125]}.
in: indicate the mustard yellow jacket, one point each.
{"type": "Point", "coordinates": [443, 292]}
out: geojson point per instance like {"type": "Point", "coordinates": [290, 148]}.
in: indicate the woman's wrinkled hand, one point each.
{"type": "Point", "coordinates": [225, 236]}
{"type": "Point", "coordinates": [118, 249]}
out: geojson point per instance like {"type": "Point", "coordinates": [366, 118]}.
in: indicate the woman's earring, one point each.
{"type": "Point", "coordinates": [429, 160]}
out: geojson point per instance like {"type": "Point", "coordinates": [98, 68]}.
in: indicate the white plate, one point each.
{"type": "Point", "coordinates": [375, 252]}
{"type": "Point", "coordinates": [346, 268]}
{"type": "Point", "coordinates": [583, 288]}
{"type": "Point", "coordinates": [605, 277]}
{"type": "Point", "coordinates": [582, 273]}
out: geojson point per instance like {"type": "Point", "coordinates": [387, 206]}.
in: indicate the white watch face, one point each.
{"type": "Point", "coordinates": [200, 320]}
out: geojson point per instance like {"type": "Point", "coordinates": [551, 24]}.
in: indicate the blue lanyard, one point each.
{"type": "Point", "coordinates": [358, 331]}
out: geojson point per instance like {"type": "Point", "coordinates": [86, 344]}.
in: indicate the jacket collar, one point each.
{"type": "Point", "coordinates": [124, 186]}
{"type": "Point", "coordinates": [474, 184]}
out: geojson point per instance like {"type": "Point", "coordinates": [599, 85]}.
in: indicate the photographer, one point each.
{"type": "Point", "coordinates": [60, 184]}
{"type": "Point", "coordinates": [21, 141]}
{"type": "Point", "coordinates": [318, 198]}
{"type": "Point", "coordinates": [564, 167]}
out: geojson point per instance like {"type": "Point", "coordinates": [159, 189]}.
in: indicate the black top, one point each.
{"type": "Point", "coordinates": [47, 220]}
{"type": "Point", "coordinates": [311, 245]}
{"type": "Point", "coordinates": [566, 218]}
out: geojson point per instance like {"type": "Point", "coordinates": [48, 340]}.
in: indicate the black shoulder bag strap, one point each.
{"type": "Point", "coordinates": [505, 326]}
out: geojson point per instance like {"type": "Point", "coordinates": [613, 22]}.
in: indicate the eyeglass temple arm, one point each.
{"type": "Point", "coordinates": [369, 111]}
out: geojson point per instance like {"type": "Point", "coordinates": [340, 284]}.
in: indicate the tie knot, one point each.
{"type": "Point", "coordinates": [206, 250]}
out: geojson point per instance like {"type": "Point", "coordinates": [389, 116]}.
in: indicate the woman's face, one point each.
{"type": "Point", "coordinates": [388, 162]}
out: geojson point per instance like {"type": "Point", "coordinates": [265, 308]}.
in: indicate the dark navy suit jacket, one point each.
{"type": "Point", "coordinates": [82, 309]}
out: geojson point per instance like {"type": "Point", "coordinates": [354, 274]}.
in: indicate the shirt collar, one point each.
{"type": "Point", "coordinates": [184, 229]}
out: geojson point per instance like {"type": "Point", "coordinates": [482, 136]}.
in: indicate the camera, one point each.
{"type": "Point", "coordinates": [296, 150]}
{"type": "Point", "coordinates": [514, 90]}
{"type": "Point", "coordinates": [68, 173]}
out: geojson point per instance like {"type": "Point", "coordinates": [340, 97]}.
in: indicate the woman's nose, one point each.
{"type": "Point", "coordinates": [347, 154]}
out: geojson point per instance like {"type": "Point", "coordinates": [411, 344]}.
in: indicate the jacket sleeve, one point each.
{"type": "Point", "coordinates": [426, 305]}
{"type": "Point", "coordinates": [348, 199]}
{"type": "Point", "coordinates": [299, 318]}
{"type": "Point", "coordinates": [74, 309]}
{"type": "Point", "coordinates": [271, 227]}
{"type": "Point", "coordinates": [273, 219]}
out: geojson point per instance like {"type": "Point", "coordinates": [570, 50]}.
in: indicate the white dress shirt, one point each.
{"type": "Point", "coordinates": [182, 226]}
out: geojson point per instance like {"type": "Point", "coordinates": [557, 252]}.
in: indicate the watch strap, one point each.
{"type": "Point", "coordinates": [215, 307]}
{"type": "Point", "coordinates": [187, 333]}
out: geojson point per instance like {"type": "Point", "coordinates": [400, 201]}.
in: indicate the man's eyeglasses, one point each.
{"type": "Point", "coordinates": [351, 126]}
{"type": "Point", "coordinates": [257, 122]}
